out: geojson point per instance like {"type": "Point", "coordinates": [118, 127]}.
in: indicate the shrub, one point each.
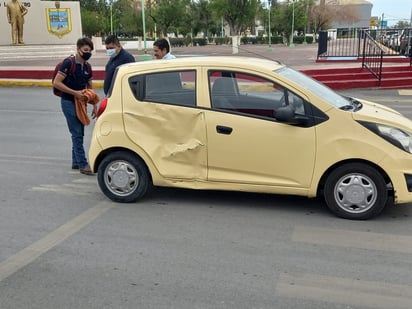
{"type": "Point", "coordinates": [248, 40]}
{"type": "Point", "coordinates": [220, 41]}
{"type": "Point", "coordinates": [199, 41]}
{"type": "Point", "coordinates": [177, 42]}
{"type": "Point", "coordinates": [309, 39]}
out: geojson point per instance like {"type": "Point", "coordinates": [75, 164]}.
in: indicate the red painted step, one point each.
{"type": "Point", "coordinates": [348, 78]}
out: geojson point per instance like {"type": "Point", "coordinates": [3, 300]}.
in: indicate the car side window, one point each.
{"type": "Point", "coordinates": [171, 87]}
{"type": "Point", "coordinates": [250, 94]}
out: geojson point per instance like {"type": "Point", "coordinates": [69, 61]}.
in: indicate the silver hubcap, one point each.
{"type": "Point", "coordinates": [121, 178]}
{"type": "Point", "coordinates": [355, 193]}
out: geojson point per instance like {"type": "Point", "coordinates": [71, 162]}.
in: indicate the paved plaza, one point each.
{"type": "Point", "coordinates": [45, 56]}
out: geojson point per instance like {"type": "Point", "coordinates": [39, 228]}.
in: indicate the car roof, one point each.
{"type": "Point", "coordinates": [259, 64]}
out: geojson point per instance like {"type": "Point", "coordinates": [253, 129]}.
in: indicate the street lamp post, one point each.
{"type": "Point", "coordinates": [144, 27]}
{"type": "Point", "coordinates": [111, 18]}
{"type": "Point", "coordinates": [269, 33]}
{"type": "Point", "coordinates": [223, 30]}
{"type": "Point", "coordinates": [293, 24]}
{"type": "Point", "coordinates": [145, 55]}
{"type": "Point", "coordinates": [306, 23]}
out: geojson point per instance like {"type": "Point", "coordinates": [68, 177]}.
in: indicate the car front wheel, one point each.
{"type": "Point", "coordinates": [123, 177]}
{"type": "Point", "coordinates": [355, 191]}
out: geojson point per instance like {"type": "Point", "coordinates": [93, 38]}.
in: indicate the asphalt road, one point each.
{"type": "Point", "coordinates": [64, 245]}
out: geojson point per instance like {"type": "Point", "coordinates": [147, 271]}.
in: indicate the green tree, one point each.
{"type": "Point", "coordinates": [204, 21]}
{"type": "Point", "coordinates": [402, 24]}
{"type": "Point", "coordinates": [92, 23]}
{"type": "Point", "coordinates": [127, 16]}
{"type": "Point", "coordinates": [239, 14]}
{"type": "Point", "coordinates": [90, 5]}
{"type": "Point", "coordinates": [295, 10]}
{"type": "Point", "coordinates": [169, 15]}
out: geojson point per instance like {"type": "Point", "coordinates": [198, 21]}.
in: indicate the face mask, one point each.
{"type": "Point", "coordinates": [110, 52]}
{"type": "Point", "coordinates": [86, 56]}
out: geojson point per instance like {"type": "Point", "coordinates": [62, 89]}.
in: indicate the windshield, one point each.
{"type": "Point", "coordinates": [315, 87]}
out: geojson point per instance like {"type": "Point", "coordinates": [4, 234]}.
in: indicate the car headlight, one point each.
{"type": "Point", "coordinates": [395, 136]}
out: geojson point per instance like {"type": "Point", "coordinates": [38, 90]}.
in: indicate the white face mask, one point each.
{"type": "Point", "coordinates": [111, 52]}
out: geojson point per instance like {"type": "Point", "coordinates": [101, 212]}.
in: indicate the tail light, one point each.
{"type": "Point", "coordinates": [102, 107]}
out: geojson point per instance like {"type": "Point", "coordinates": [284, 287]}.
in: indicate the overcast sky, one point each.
{"type": "Point", "coordinates": [393, 10]}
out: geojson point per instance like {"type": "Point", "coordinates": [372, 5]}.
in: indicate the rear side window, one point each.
{"type": "Point", "coordinates": [172, 87]}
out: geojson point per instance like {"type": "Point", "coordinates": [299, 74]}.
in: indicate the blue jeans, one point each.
{"type": "Point", "coordinates": [76, 129]}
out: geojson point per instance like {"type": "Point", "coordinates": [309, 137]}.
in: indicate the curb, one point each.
{"type": "Point", "coordinates": [37, 83]}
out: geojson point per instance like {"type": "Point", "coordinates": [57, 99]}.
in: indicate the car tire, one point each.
{"type": "Point", "coordinates": [123, 177]}
{"type": "Point", "coordinates": [355, 191]}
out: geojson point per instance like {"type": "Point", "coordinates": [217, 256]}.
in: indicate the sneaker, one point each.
{"type": "Point", "coordinates": [86, 170]}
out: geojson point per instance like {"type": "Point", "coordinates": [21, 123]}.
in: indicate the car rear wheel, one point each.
{"type": "Point", "coordinates": [355, 191]}
{"type": "Point", "coordinates": [123, 177]}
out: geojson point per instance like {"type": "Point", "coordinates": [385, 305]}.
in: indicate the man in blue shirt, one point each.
{"type": "Point", "coordinates": [118, 55]}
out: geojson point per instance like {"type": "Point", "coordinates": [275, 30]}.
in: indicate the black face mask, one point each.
{"type": "Point", "coordinates": [86, 56]}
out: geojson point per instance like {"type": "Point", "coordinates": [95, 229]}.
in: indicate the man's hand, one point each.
{"type": "Point", "coordinates": [79, 95]}
{"type": "Point", "coordinates": [94, 112]}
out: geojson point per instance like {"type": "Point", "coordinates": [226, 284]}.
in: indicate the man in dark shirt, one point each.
{"type": "Point", "coordinates": [72, 85]}
{"type": "Point", "coordinates": [118, 55]}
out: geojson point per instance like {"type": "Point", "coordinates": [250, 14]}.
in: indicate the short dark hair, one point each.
{"type": "Point", "coordinates": [162, 44]}
{"type": "Point", "coordinates": [112, 39]}
{"type": "Point", "coordinates": [85, 41]}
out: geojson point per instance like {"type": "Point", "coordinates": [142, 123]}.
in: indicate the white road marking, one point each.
{"type": "Point", "coordinates": [79, 187]}
{"type": "Point", "coordinates": [405, 92]}
{"type": "Point", "coordinates": [17, 156]}
{"type": "Point", "coordinates": [85, 180]}
{"type": "Point", "coordinates": [61, 190]}
{"type": "Point", "coordinates": [345, 291]}
{"type": "Point", "coordinates": [353, 239]}
{"type": "Point", "coordinates": [32, 252]}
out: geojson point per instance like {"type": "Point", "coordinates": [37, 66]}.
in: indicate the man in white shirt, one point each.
{"type": "Point", "coordinates": [161, 49]}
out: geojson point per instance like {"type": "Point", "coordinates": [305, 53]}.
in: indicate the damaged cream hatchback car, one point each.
{"type": "Point", "coordinates": [246, 124]}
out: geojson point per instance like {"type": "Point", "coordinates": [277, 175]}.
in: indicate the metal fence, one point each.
{"type": "Point", "coordinates": [369, 45]}
{"type": "Point", "coordinates": [349, 42]}
{"type": "Point", "coordinates": [372, 55]}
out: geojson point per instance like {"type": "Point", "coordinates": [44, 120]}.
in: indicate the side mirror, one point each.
{"type": "Point", "coordinates": [285, 113]}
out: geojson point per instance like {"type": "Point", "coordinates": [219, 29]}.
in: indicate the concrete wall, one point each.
{"type": "Point", "coordinates": [35, 26]}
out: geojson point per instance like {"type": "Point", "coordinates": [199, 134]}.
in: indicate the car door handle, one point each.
{"type": "Point", "coordinates": [224, 130]}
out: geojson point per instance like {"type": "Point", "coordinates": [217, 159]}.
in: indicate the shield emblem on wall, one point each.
{"type": "Point", "coordinates": [59, 21]}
